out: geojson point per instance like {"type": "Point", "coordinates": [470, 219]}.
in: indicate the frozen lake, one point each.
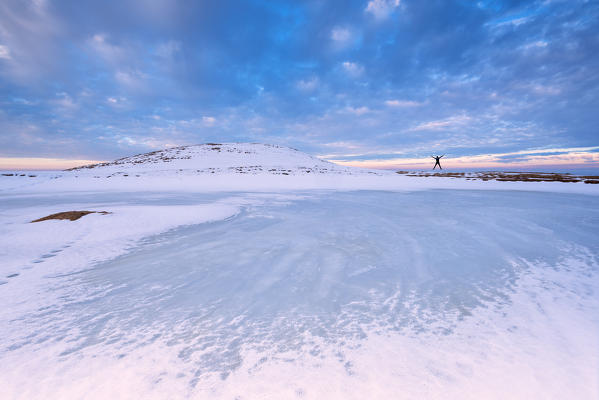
{"type": "Point", "coordinates": [361, 293]}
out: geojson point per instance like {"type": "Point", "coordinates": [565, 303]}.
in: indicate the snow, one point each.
{"type": "Point", "coordinates": [217, 157]}
{"type": "Point", "coordinates": [334, 283]}
{"type": "Point", "coordinates": [246, 167]}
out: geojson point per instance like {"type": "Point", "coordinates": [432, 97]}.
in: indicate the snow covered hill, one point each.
{"type": "Point", "coordinates": [253, 158]}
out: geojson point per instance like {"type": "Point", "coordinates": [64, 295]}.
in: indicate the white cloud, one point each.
{"type": "Point", "coordinates": [343, 144]}
{"type": "Point", "coordinates": [539, 44]}
{"type": "Point", "coordinates": [4, 52]}
{"type": "Point", "coordinates": [208, 121]}
{"type": "Point", "coordinates": [28, 41]}
{"type": "Point", "coordinates": [19, 100]}
{"type": "Point", "coordinates": [126, 60]}
{"type": "Point", "coordinates": [110, 53]}
{"type": "Point", "coordinates": [402, 103]}
{"type": "Point", "coordinates": [341, 37]}
{"type": "Point", "coordinates": [382, 8]}
{"type": "Point", "coordinates": [357, 110]}
{"type": "Point", "coordinates": [127, 140]}
{"type": "Point", "coordinates": [340, 34]}
{"type": "Point", "coordinates": [117, 102]}
{"type": "Point", "coordinates": [353, 69]}
{"type": "Point", "coordinates": [65, 101]}
{"type": "Point", "coordinates": [132, 79]}
{"type": "Point", "coordinates": [144, 141]}
{"type": "Point", "coordinates": [515, 21]}
{"type": "Point", "coordinates": [458, 120]}
{"type": "Point", "coordinates": [545, 90]}
{"type": "Point", "coordinates": [308, 85]}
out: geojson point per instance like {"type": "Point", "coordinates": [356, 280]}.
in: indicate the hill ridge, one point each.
{"type": "Point", "coordinates": [222, 158]}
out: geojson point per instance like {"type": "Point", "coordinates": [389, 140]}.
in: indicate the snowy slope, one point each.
{"type": "Point", "coordinates": [220, 157]}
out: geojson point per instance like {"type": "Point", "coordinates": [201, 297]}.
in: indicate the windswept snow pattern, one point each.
{"type": "Point", "coordinates": [365, 294]}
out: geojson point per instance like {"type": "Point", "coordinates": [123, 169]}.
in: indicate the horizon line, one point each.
{"type": "Point", "coordinates": [59, 164]}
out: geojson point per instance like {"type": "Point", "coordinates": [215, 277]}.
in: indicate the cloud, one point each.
{"type": "Point", "coordinates": [341, 35]}
{"type": "Point", "coordinates": [550, 90]}
{"type": "Point", "coordinates": [340, 144]}
{"type": "Point", "coordinates": [326, 72]}
{"type": "Point", "coordinates": [353, 69]}
{"type": "Point", "coordinates": [145, 142]}
{"type": "Point", "coordinates": [117, 102]}
{"type": "Point", "coordinates": [402, 103]}
{"type": "Point", "coordinates": [110, 53]}
{"type": "Point", "coordinates": [28, 34]}
{"type": "Point", "coordinates": [381, 9]}
{"type": "Point", "coordinates": [132, 79]}
{"type": "Point", "coordinates": [208, 121]}
{"type": "Point", "coordinates": [308, 85]}
{"type": "Point", "coordinates": [538, 44]}
{"type": "Point", "coordinates": [451, 122]}
{"type": "Point", "coordinates": [65, 102]}
{"type": "Point", "coordinates": [19, 100]}
{"type": "Point", "coordinates": [357, 110]}
{"type": "Point", "coordinates": [4, 52]}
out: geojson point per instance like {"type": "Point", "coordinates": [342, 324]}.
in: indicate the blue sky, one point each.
{"type": "Point", "coordinates": [380, 83]}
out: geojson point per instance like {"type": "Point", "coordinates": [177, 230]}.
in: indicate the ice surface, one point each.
{"type": "Point", "coordinates": [365, 294]}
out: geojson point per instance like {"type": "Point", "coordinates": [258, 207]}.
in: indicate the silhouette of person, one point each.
{"type": "Point", "coordinates": [437, 158]}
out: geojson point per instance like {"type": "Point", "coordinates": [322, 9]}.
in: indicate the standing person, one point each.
{"type": "Point", "coordinates": [437, 158]}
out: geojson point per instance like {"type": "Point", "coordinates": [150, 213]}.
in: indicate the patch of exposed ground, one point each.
{"type": "Point", "coordinates": [70, 215]}
{"type": "Point", "coordinates": [17, 174]}
{"type": "Point", "coordinates": [508, 176]}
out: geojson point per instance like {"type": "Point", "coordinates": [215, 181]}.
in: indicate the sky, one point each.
{"type": "Point", "coordinates": [374, 83]}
